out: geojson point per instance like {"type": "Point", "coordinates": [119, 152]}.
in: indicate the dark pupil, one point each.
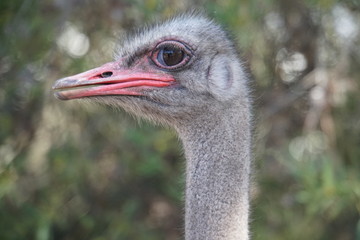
{"type": "Point", "coordinates": [172, 56]}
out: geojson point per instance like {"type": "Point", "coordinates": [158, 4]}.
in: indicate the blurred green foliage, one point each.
{"type": "Point", "coordinates": [69, 172]}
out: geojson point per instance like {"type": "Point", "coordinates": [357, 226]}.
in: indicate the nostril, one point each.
{"type": "Point", "coordinates": [106, 74]}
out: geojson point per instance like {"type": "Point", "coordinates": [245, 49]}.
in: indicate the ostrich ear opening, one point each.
{"type": "Point", "coordinates": [223, 78]}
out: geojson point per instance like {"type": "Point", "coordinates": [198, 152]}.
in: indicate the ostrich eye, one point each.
{"type": "Point", "coordinates": [171, 55]}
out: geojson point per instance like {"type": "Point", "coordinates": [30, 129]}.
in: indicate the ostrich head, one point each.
{"type": "Point", "coordinates": [169, 72]}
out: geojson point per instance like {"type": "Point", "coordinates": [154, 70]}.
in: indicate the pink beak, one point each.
{"type": "Point", "coordinates": [109, 79]}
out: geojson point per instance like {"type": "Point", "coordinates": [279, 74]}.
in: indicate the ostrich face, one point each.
{"type": "Point", "coordinates": [172, 71]}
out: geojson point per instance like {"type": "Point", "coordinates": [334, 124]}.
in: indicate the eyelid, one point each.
{"type": "Point", "coordinates": [176, 44]}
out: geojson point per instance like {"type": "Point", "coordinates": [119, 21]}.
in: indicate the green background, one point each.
{"type": "Point", "coordinates": [74, 171]}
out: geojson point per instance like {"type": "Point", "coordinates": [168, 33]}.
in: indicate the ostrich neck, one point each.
{"type": "Point", "coordinates": [217, 150]}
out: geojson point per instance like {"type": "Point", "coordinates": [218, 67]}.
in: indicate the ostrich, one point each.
{"type": "Point", "coordinates": [186, 73]}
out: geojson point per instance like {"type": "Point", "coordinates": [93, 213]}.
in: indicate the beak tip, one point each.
{"type": "Point", "coordinates": [60, 96]}
{"type": "Point", "coordinates": [64, 82]}
{"type": "Point", "coordinates": [55, 85]}
{"type": "Point", "coordinates": [58, 84]}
